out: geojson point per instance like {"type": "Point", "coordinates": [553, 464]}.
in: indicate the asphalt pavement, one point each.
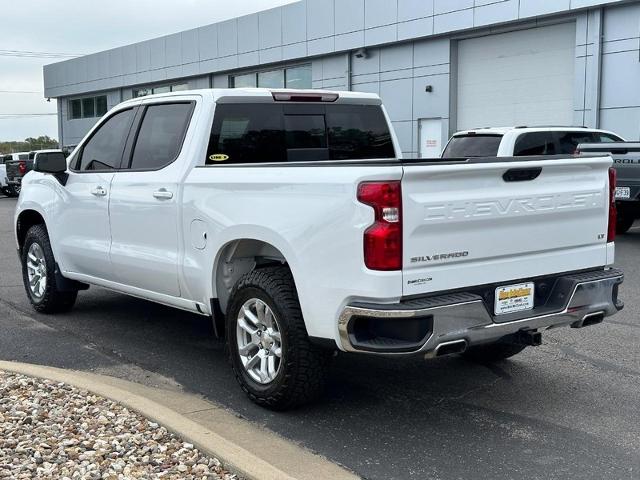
{"type": "Point", "coordinates": [569, 409]}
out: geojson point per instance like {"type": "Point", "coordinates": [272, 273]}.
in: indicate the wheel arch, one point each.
{"type": "Point", "coordinates": [239, 257]}
{"type": "Point", "coordinates": [24, 221]}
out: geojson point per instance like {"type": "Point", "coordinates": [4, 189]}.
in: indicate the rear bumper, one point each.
{"type": "Point", "coordinates": [437, 321]}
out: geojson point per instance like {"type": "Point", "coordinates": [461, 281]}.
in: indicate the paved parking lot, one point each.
{"type": "Point", "coordinates": [568, 409]}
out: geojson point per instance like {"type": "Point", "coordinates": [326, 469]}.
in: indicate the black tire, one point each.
{"type": "Point", "coordinates": [303, 367]}
{"type": "Point", "coordinates": [624, 223]}
{"type": "Point", "coordinates": [52, 300]}
{"type": "Point", "coordinates": [493, 352]}
{"type": "Point", "coordinates": [13, 191]}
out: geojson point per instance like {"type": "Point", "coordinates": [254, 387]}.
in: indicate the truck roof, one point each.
{"type": "Point", "coordinates": [267, 95]}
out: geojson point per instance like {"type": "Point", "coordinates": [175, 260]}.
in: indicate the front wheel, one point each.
{"type": "Point", "coordinates": [492, 352]}
{"type": "Point", "coordinates": [38, 274]}
{"type": "Point", "coordinates": [273, 360]}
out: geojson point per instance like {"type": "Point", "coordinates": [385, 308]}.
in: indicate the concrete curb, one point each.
{"type": "Point", "coordinates": [215, 431]}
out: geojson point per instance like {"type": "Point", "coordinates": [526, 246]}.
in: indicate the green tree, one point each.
{"type": "Point", "coordinates": [42, 142]}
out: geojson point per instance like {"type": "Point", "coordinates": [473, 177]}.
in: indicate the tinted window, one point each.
{"type": "Point", "coordinates": [160, 137]}
{"type": "Point", "coordinates": [568, 141]}
{"type": "Point", "coordinates": [88, 107]}
{"type": "Point", "coordinates": [259, 133]}
{"type": "Point", "coordinates": [606, 138]}
{"type": "Point", "coordinates": [104, 149]}
{"type": "Point", "coordinates": [469, 146]}
{"type": "Point", "coordinates": [358, 132]}
{"type": "Point", "coordinates": [101, 106]}
{"type": "Point", "coordinates": [537, 143]}
{"type": "Point", "coordinates": [75, 109]}
{"type": "Point", "coordinates": [557, 142]}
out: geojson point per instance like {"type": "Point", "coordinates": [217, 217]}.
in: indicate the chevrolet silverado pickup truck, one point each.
{"type": "Point", "coordinates": [291, 220]}
{"type": "Point", "coordinates": [626, 161]}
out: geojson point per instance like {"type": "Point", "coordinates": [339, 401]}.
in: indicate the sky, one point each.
{"type": "Point", "coordinates": [82, 27]}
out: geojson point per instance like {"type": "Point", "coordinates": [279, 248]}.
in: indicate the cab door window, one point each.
{"type": "Point", "coordinates": [104, 149]}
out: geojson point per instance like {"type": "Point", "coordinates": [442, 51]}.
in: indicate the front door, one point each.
{"type": "Point", "coordinates": [82, 220]}
{"type": "Point", "coordinates": [144, 202]}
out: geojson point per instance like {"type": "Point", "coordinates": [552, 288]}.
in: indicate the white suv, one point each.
{"type": "Point", "coordinates": [523, 141]}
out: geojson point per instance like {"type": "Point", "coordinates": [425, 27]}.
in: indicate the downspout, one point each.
{"type": "Point", "coordinates": [349, 70]}
{"type": "Point", "coordinates": [598, 101]}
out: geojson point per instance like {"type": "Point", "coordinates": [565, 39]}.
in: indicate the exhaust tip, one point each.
{"type": "Point", "coordinates": [450, 348]}
{"type": "Point", "coordinates": [590, 319]}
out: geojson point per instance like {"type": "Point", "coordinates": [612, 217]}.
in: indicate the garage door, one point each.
{"type": "Point", "coordinates": [517, 78]}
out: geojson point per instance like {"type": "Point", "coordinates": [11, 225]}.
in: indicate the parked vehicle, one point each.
{"type": "Point", "coordinates": [291, 219]}
{"type": "Point", "coordinates": [17, 165]}
{"type": "Point", "coordinates": [523, 141]}
{"type": "Point", "coordinates": [3, 177]}
{"type": "Point", "coordinates": [626, 161]}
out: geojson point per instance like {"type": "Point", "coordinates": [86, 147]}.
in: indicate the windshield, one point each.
{"type": "Point", "coordinates": [472, 145]}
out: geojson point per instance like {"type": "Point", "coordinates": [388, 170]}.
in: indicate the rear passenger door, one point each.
{"type": "Point", "coordinates": [144, 205]}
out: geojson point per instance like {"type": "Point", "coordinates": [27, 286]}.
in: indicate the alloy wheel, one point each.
{"type": "Point", "coordinates": [36, 270]}
{"type": "Point", "coordinates": [259, 341]}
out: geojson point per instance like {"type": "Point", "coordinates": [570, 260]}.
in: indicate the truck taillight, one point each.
{"type": "Point", "coordinates": [22, 168]}
{"type": "Point", "coordinates": [383, 239]}
{"type": "Point", "coordinates": [613, 213]}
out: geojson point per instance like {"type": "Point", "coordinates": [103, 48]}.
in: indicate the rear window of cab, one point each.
{"type": "Point", "coordinates": [275, 133]}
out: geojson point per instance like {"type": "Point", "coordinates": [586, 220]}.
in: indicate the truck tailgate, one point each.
{"type": "Point", "coordinates": [13, 171]}
{"type": "Point", "coordinates": [472, 223]}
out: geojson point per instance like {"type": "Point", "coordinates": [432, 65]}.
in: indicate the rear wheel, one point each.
{"type": "Point", "coordinates": [273, 360]}
{"type": "Point", "coordinates": [38, 274]}
{"type": "Point", "coordinates": [624, 223]}
{"type": "Point", "coordinates": [493, 352]}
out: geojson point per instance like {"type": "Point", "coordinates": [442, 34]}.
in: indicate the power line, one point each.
{"type": "Point", "coordinates": [19, 91]}
{"type": "Point", "coordinates": [26, 114]}
{"type": "Point", "coordinates": [18, 116]}
{"type": "Point", "coordinates": [32, 54]}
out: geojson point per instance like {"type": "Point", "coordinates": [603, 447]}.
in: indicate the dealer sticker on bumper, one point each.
{"type": "Point", "coordinates": [514, 298]}
{"type": "Point", "coordinates": [623, 193]}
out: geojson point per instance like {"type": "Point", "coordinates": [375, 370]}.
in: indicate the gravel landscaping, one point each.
{"type": "Point", "coordinates": [50, 430]}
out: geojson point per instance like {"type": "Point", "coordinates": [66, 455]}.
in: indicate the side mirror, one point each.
{"type": "Point", "coordinates": [53, 163]}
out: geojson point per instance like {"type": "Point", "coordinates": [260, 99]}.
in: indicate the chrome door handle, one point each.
{"type": "Point", "coordinates": [163, 194]}
{"type": "Point", "coordinates": [99, 192]}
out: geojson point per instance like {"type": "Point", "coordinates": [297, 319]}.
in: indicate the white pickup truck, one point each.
{"type": "Point", "coordinates": [290, 218]}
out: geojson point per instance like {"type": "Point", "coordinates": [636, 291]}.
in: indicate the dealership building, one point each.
{"type": "Point", "coordinates": [439, 65]}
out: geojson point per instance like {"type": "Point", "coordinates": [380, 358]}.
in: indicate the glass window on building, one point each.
{"type": "Point", "coordinates": [271, 79]}
{"type": "Point", "coordinates": [88, 107]}
{"type": "Point", "coordinates": [101, 105]}
{"type": "Point", "coordinates": [299, 77]}
{"type": "Point", "coordinates": [142, 92]}
{"type": "Point", "coordinates": [245, 81]}
{"type": "Point", "coordinates": [75, 109]}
